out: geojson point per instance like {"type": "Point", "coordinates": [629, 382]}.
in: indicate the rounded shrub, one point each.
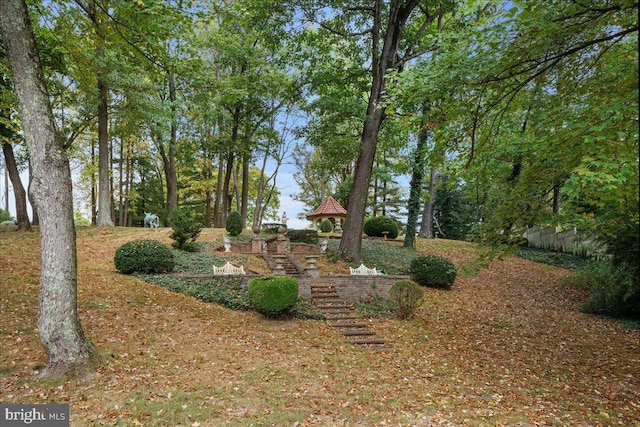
{"type": "Point", "coordinates": [433, 271]}
{"type": "Point", "coordinates": [234, 223]}
{"type": "Point", "coordinates": [326, 226]}
{"type": "Point", "coordinates": [409, 297]}
{"type": "Point", "coordinates": [375, 226]}
{"type": "Point", "coordinates": [273, 295]}
{"type": "Point", "coordinates": [143, 256]}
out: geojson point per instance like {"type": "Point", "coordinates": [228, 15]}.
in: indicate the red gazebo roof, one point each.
{"type": "Point", "coordinates": [328, 207]}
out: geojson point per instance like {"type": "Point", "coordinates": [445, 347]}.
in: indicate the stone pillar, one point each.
{"type": "Point", "coordinates": [279, 270]}
{"type": "Point", "coordinates": [282, 244]}
{"type": "Point", "coordinates": [256, 243]}
{"type": "Point", "coordinates": [311, 270]}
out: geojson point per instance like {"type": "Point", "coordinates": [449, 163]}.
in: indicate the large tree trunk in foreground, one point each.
{"type": "Point", "coordinates": [64, 341]}
{"type": "Point", "coordinates": [22, 216]}
{"type": "Point", "coordinates": [383, 59]}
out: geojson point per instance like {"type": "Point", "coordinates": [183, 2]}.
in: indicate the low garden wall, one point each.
{"type": "Point", "coordinates": [350, 288]}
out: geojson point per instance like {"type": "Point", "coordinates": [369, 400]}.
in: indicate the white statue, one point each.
{"type": "Point", "coordinates": [284, 218]}
{"type": "Point", "coordinates": [227, 243]}
{"type": "Point", "coordinates": [323, 245]}
{"type": "Point", "coordinates": [151, 220]}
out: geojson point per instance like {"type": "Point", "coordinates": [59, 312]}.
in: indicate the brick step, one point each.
{"type": "Point", "coordinates": [357, 333]}
{"type": "Point", "coordinates": [332, 307]}
{"type": "Point", "coordinates": [327, 296]}
{"type": "Point", "coordinates": [340, 325]}
{"type": "Point", "coordinates": [334, 318]}
{"type": "Point", "coordinates": [367, 341]}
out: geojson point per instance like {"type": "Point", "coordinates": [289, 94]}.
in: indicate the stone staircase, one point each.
{"type": "Point", "coordinates": [289, 268]}
{"type": "Point", "coordinates": [340, 316]}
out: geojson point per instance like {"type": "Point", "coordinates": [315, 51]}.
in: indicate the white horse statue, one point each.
{"type": "Point", "coordinates": [151, 220]}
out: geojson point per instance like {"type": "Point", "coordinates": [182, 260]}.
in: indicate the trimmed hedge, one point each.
{"type": "Point", "coordinates": [409, 297]}
{"type": "Point", "coordinates": [144, 256]}
{"type": "Point", "coordinates": [303, 236]}
{"type": "Point", "coordinates": [234, 223]}
{"type": "Point", "coordinates": [273, 295]}
{"type": "Point", "coordinates": [433, 271]}
{"type": "Point", "coordinates": [374, 227]}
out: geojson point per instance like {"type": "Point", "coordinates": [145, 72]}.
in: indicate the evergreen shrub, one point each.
{"type": "Point", "coordinates": [409, 297]}
{"type": "Point", "coordinates": [234, 223]}
{"type": "Point", "coordinates": [326, 226]}
{"type": "Point", "coordinates": [613, 288]}
{"type": "Point", "coordinates": [433, 271]}
{"type": "Point", "coordinates": [143, 256]}
{"type": "Point", "coordinates": [273, 295]}
{"type": "Point", "coordinates": [185, 229]}
{"type": "Point", "coordinates": [303, 236]}
{"type": "Point", "coordinates": [375, 226]}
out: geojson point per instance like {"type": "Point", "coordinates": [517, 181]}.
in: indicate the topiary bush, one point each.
{"type": "Point", "coordinates": [273, 295]}
{"type": "Point", "coordinates": [409, 297]}
{"type": "Point", "coordinates": [234, 223]}
{"type": "Point", "coordinates": [375, 226]}
{"type": "Point", "coordinates": [326, 226]}
{"type": "Point", "coordinates": [433, 271]}
{"type": "Point", "coordinates": [185, 228]}
{"type": "Point", "coordinates": [143, 256]}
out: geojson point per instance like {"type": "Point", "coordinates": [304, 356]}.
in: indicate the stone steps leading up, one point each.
{"type": "Point", "coordinates": [340, 316]}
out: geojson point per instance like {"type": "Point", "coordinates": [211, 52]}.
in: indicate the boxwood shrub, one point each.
{"type": "Point", "coordinates": [234, 223]}
{"type": "Point", "coordinates": [143, 256]}
{"type": "Point", "coordinates": [375, 226]}
{"type": "Point", "coordinates": [433, 271]}
{"type": "Point", "coordinates": [326, 226]}
{"type": "Point", "coordinates": [303, 236]}
{"type": "Point", "coordinates": [273, 295]}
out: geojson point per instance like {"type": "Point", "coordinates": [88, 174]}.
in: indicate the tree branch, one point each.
{"type": "Point", "coordinates": [513, 70]}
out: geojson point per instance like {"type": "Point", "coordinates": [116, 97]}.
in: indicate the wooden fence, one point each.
{"type": "Point", "coordinates": [551, 238]}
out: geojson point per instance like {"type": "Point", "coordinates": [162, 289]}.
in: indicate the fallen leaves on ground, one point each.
{"type": "Point", "coordinates": [505, 347]}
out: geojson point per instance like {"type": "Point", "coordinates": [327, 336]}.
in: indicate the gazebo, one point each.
{"type": "Point", "coordinates": [329, 209]}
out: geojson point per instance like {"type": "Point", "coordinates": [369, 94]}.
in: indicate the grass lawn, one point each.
{"type": "Point", "coordinates": [507, 346]}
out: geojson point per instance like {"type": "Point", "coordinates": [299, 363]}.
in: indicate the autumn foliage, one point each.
{"type": "Point", "coordinates": [507, 346]}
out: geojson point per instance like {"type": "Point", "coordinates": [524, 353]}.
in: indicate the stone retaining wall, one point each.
{"type": "Point", "coordinates": [350, 288]}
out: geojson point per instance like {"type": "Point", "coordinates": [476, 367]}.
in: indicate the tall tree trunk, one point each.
{"type": "Point", "coordinates": [22, 216]}
{"type": "Point", "coordinates": [383, 59]}
{"type": "Point", "coordinates": [244, 196]}
{"type": "Point", "coordinates": [68, 349]}
{"type": "Point", "coordinates": [104, 179]}
{"type": "Point", "coordinates": [227, 197]}
{"type": "Point", "coordinates": [257, 213]}
{"type": "Point", "coordinates": [170, 164]}
{"type": "Point", "coordinates": [121, 183]}
{"type": "Point", "coordinates": [94, 202]}
{"type": "Point", "coordinates": [415, 191]}
{"type": "Point", "coordinates": [218, 204]}
{"type": "Point", "coordinates": [426, 228]}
